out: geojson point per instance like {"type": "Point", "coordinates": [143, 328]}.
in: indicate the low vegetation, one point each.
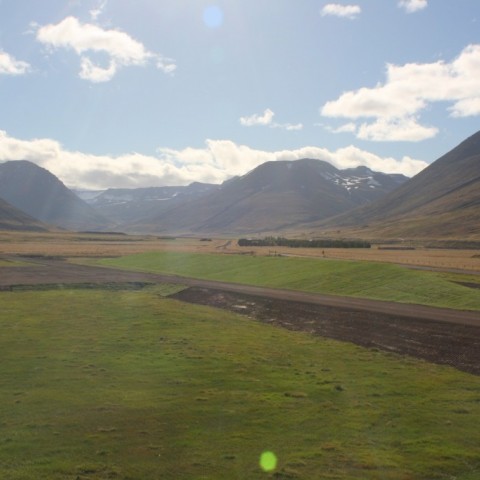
{"type": "Point", "coordinates": [100, 384]}
{"type": "Point", "coordinates": [301, 243]}
{"type": "Point", "coordinates": [338, 277]}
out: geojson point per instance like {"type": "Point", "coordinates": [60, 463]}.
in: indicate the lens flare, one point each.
{"type": "Point", "coordinates": [268, 461]}
{"type": "Point", "coordinates": [213, 16]}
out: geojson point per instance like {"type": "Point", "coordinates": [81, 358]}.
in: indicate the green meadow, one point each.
{"type": "Point", "coordinates": [373, 280]}
{"type": "Point", "coordinates": [128, 384]}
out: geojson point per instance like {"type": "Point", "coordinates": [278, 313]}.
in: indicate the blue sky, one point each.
{"type": "Point", "coordinates": [123, 93]}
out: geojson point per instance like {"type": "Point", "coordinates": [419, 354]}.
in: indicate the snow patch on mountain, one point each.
{"type": "Point", "coordinates": [355, 182]}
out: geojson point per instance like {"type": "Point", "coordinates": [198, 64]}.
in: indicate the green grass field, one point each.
{"type": "Point", "coordinates": [102, 384]}
{"type": "Point", "coordinates": [374, 280]}
{"type": "Point", "coordinates": [13, 263]}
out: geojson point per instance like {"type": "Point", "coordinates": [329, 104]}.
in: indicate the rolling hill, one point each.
{"type": "Point", "coordinates": [13, 219]}
{"type": "Point", "coordinates": [40, 194]}
{"type": "Point", "coordinates": [272, 197]}
{"type": "Point", "coordinates": [441, 201]}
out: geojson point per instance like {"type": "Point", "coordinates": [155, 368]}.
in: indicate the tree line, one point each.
{"type": "Point", "coordinates": [299, 243]}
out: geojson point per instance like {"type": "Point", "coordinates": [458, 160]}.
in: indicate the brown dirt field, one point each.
{"type": "Point", "coordinates": [440, 336]}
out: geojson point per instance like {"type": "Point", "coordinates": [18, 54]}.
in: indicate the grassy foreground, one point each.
{"type": "Point", "coordinates": [98, 384]}
{"type": "Point", "coordinates": [374, 280]}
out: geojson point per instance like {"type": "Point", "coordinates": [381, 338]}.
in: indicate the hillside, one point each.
{"type": "Point", "coordinates": [43, 196]}
{"type": "Point", "coordinates": [13, 219]}
{"type": "Point", "coordinates": [273, 196]}
{"type": "Point", "coordinates": [441, 201]}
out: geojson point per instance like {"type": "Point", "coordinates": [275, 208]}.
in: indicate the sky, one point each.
{"type": "Point", "coordinates": [138, 93]}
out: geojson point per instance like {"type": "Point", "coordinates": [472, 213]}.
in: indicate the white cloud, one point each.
{"type": "Point", "coordinates": [395, 105]}
{"type": "Point", "coordinates": [10, 66]}
{"type": "Point", "coordinates": [467, 107]}
{"type": "Point", "coordinates": [346, 128]}
{"type": "Point", "coordinates": [399, 130]}
{"type": "Point", "coordinates": [266, 120]}
{"type": "Point", "coordinates": [412, 6]}
{"type": "Point", "coordinates": [122, 50]}
{"type": "Point", "coordinates": [228, 158]}
{"type": "Point", "coordinates": [96, 12]}
{"type": "Point", "coordinates": [344, 11]}
{"type": "Point", "coordinates": [215, 162]}
{"type": "Point", "coordinates": [288, 126]}
{"type": "Point", "coordinates": [256, 119]}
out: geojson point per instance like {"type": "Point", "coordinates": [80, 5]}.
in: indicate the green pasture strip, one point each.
{"type": "Point", "coordinates": [100, 384]}
{"type": "Point", "coordinates": [381, 281]}
{"type": "Point", "coordinates": [13, 263]}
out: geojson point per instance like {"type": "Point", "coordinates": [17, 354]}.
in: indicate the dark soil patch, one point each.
{"type": "Point", "coordinates": [437, 342]}
{"type": "Point", "coordinates": [469, 284]}
{"type": "Point", "coordinates": [76, 286]}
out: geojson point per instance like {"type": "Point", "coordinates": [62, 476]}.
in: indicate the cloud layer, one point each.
{"type": "Point", "coordinates": [396, 105]}
{"type": "Point", "coordinates": [217, 161]}
{"type": "Point", "coordinates": [10, 66]}
{"type": "Point", "coordinates": [343, 11]}
{"type": "Point", "coordinates": [121, 49]}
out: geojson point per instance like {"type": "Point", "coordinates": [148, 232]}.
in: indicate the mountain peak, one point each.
{"type": "Point", "coordinates": [37, 192]}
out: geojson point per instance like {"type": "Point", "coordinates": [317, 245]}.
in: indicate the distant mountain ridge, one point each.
{"type": "Point", "coordinates": [442, 200]}
{"type": "Point", "coordinates": [273, 196]}
{"type": "Point", "coordinates": [124, 205]}
{"type": "Point", "coordinates": [40, 194]}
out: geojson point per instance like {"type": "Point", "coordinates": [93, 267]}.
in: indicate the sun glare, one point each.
{"type": "Point", "coordinates": [213, 16]}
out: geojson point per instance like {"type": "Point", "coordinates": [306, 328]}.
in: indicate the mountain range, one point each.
{"type": "Point", "coordinates": [272, 197]}
{"type": "Point", "coordinates": [284, 196]}
{"type": "Point", "coordinates": [442, 200]}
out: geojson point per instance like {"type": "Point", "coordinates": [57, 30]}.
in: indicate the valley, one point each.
{"type": "Point", "coordinates": [305, 198]}
{"type": "Point", "coordinates": [239, 240]}
{"type": "Point", "coordinates": [135, 326]}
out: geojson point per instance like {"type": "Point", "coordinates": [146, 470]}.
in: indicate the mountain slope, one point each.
{"type": "Point", "coordinates": [40, 194]}
{"type": "Point", "coordinates": [14, 219]}
{"type": "Point", "coordinates": [274, 196]}
{"type": "Point", "coordinates": [442, 200]}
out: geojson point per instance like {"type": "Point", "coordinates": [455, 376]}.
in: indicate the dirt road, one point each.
{"type": "Point", "coordinates": [439, 335]}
